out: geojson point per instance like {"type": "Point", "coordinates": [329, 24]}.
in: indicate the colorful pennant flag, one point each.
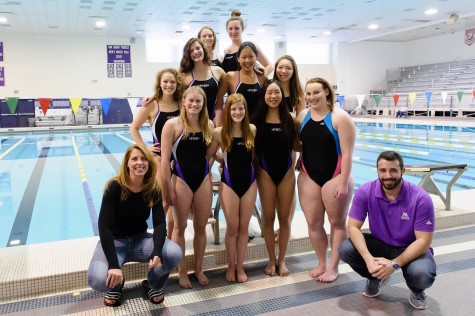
{"type": "Point", "coordinates": [341, 99]}
{"type": "Point", "coordinates": [105, 104]}
{"type": "Point", "coordinates": [44, 103]}
{"type": "Point", "coordinates": [444, 96]}
{"type": "Point", "coordinates": [133, 105]}
{"type": "Point", "coordinates": [12, 104]}
{"type": "Point", "coordinates": [412, 97]}
{"type": "Point", "coordinates": [428, 96]}
{"type": "Point", "coordinates": [377, 99]}
{"type": "Point", "coordinates": [360, 98]}
{"type": "Point", "coordinates": [460, 95]}
{"type": "Point", "coordinates": [396, 99]}
{"type": "Point", "coordinates": [75, 102]}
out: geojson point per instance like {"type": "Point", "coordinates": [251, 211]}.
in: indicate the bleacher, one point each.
{"type": "Point", "coordinates": [449, 77]}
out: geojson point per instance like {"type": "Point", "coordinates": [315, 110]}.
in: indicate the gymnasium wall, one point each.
{"type": "Point", "coordinates": [74, 66]}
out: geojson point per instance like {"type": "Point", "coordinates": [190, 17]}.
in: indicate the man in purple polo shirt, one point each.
{"type": "Point", "coordinates": [401, 221]}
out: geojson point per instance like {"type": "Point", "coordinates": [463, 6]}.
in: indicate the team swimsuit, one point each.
{"type": "Point", "coordinates": [321, 151]}
{"type": "Point", "coordinates": [189, 156]}
{"type": "Point", "coordinates": [251, 92]}
{"type": "Point", "coordinates": [275, 151]}
{"type": "Point", "coordinates": [230, 62]}
{"type": "Point", "coordinates": [210, 87]}
{"type": "Point", "coordinates": [157, 126]}
{"type": "Point", "coordinates": [238, 172]}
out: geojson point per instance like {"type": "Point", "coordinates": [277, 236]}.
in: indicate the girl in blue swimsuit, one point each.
{"type": "Point", "coordinates": [188, 137]}
{"type": "Point", "coordinates": [275, 141]}
{"type": "Point", "coordinates": [163, 106]}
{"type": "Point", "coordinates": [238, 188]}
{"type": "Point", "coordinates": [325, 183]}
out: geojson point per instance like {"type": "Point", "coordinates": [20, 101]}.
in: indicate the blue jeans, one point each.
{"type": "Point", "coordinates": [137, 248]}
{"type": "Point", "coordinates": [419, 273]}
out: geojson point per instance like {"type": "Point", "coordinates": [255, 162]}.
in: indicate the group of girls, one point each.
{"type": "Point", "coordinates": [254, 134]}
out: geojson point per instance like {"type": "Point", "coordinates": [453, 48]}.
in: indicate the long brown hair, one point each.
{"type": "Point", "coordinates": [295, 87]}
{"type": "Point", "coordinates": [326, 85]}
{"type": "Point", "coordinates": [151, 189]}
{"type": "Point", "coordinates": [247, 134]}
{"type": "Point", "coordinates": [179, 85]}
{"type": "Point", "coordinates": [203, 118]}
{"type": "Point", "coordinates": [187, 64]}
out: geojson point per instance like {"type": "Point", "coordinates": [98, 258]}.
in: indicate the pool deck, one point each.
{"type": "Point", "coordinates": [50, 278]}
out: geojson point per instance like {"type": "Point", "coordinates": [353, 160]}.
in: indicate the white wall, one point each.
{"type": "Point", "coordinates": [63, 67]}
{"type": "Point", "coordinates": [361, 67]}
{"type": "Point", "coordinates": [437, 49]}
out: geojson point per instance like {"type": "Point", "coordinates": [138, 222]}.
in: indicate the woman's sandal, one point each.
{"type": "Point", "coordinates": [151, 293]}
{"type": "Point", "coordinates": [113, 296]}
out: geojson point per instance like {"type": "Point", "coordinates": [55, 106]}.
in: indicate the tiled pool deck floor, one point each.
{"type": "Point", "coordinates": [60, 268]}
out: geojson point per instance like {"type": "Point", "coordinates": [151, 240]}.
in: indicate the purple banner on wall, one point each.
{"type": "Point", "coordinates": [1, 51]}
{"type": "Point", "coordinates": [2, 77]}
{"type": "Point", "coordinates": [118, 61]}
{"type": "Point", "coordinates": [118, 53]}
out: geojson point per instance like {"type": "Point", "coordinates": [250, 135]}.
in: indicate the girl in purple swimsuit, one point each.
{"type": "Point", "coordinates": [188, 136]}
{"type": "Point", "coordinates": [238, 188]}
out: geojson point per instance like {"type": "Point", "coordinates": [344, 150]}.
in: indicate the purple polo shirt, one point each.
{"type": "Point", "coordinates": [394, 222]}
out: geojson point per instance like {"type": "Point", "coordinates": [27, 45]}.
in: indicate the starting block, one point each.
{"type": "Point", "coordinates": [428, 183]}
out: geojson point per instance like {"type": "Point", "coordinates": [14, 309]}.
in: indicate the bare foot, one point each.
{"type": "Point", "coordinates": [316, 272]}
{"type": "Point", "coordinates": [328, 277]}
{"type": "Point", "coordinates": [270, 269]}
{"type": "Point", "coordinates": [202, 278]}
{"type": "Point", "coordinates": [283, 271]}
{"type": "Point", "coordinates": [230, 274]}
{"type": "Point", "coordinates": [184, 281]}
{"type": "Point", "coordinates": [241, 275]}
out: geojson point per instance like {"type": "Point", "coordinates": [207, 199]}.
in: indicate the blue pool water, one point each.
{"type": "Point", "coordinates": [51, 182]}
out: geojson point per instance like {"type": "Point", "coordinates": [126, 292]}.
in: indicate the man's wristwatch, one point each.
{"type": "Point", "coordinates": [395, 265]}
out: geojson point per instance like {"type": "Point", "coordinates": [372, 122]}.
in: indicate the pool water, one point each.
{"type": "Point", "coordinates": [51, 182]}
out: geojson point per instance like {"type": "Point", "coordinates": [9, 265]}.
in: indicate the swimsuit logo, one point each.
{"type": "Point", "coordinates": [229, 57]}
{"type": "Point", "coordinates": [203, 85]}
{"type": "Point", "coordinates": [240, 143]}
{"type": "Point", "coordinates": [405, 217]}
{"type": "Point", "coordinates": [429, 223]}
{"type": "Point", "coordinates": [251, 90]}
{"type": "Point", "coordinates": [170, 117]}
{"type": "Point", "coordinates": [194, 138]}
{"type": "Point", "coordinates": [321, 123]}
{"type": "Point", "coordinates": [276, 129]}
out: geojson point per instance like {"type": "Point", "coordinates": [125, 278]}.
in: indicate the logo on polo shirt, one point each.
{"type": "Point", "coordinates": [405, 217]}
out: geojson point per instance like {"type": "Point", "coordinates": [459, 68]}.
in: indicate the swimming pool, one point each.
{"type": "Point", "coordinates": [51, 182]}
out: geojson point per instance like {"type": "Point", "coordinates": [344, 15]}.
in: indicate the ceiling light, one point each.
{"type": "Point", "coordinates": [100, 24]}
{"type": "Point", "coordinates": [373, 26]}
{"type": "Point", "coordinates": [3, 19]}
{"type": "Point", "coordinates": [277, 37]}
{"type": "Point", "coordinates": [431, 11]}
{"type": "Point", "coordinates": [185, 27]}
{"type": "Point", "coordinates": [261, 30]}
{"type": "Point", "coordinates": [327, 33]}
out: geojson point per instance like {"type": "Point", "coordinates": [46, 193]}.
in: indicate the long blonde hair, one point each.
{"type": "Point", "coordinates": [151, 189]}
{"type": "Point", "coordinates": [247, 134]}
{"type": "Point", "coordinates": [203, 118]}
